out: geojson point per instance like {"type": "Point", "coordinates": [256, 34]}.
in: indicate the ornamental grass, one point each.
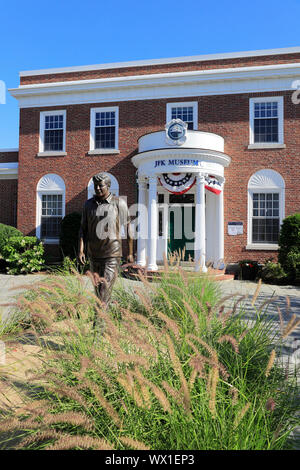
{"type": "Point", "coordinates": [170, 365]}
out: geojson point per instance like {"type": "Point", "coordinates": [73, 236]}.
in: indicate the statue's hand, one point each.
{"type": "Point", "coordinates": [82, 257]}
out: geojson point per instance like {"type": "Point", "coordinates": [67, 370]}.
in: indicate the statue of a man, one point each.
{"type": "Point", "coordinates": [103, 216]}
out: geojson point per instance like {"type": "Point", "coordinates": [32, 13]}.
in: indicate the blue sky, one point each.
{"type": "Point", "coordinates": [36, 34]}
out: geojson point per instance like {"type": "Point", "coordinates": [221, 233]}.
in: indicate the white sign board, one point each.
{"type": "Point", "coordinates": [235, 228]}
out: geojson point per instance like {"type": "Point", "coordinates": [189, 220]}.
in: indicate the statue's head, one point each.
{"type": "Point", "coordinates": [102, 178]}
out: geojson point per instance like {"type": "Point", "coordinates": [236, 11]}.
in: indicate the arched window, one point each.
{"type": "Point", "coordinates": [114, 188]}
{"type": "Point", "coordinates": [50, 207]}
{"type": "Point", "coordinates": [265, 209]}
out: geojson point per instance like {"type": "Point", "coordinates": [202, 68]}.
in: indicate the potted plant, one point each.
{"type": "Point", "coordinates": [248, 269]}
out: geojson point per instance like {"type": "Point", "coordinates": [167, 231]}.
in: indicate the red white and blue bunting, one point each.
{"type": "Point", "coordinates": [177, 183]}
{"type": "Point", "coordinates": [213, 185]}
{"type": "Point", "coordinates": [180, 183]}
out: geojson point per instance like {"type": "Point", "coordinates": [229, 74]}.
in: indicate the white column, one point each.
{"type": "Point", "coordinates": [142, 223]}
{"type": "Point", "coordinates": [200, 225]}
{"type": "Point", "coordinates": [219, 261]}
{"type": "Point", "coordinates": [152, 223]}
{"type": "Point", "coordinates": [166, 228]}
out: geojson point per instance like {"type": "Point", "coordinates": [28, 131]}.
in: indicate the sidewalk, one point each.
{"type": "Point", "coordinates": [287, 298]}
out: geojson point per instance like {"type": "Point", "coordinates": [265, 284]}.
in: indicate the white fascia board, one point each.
{"type": "Point", "coordinates": [211, 155]}
{"type": "Point", "coordinates": [8, 170]}
{"type": "Point", "coordinates": [165, 61]}
{"type": "Point", "coordinates": [8, 150]}
{"type": "Point", "coordinates": [277, 77]}
{"type": "Point", "coordinates": [8, 166]}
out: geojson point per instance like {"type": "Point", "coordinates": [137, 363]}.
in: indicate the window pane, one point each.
{"type": "Point", "coordinates": [266, 126]}
{"type": "Point", "coordinates": [105, 122]}
{"type": "Point", "coordinates": [51, 204]}
{"type": "Point", "coordinates": [53, 140]}
{"type": "Point", "coordinates": [50, 227]}
{"type": "Point", "coordinates": [54, 122]}
{"type": "Point", "coordinates": [105, 137]}
{"type": "Point", "coordinates": [265, 221]}
{"type": "Point", "coordinates": [185, 113]}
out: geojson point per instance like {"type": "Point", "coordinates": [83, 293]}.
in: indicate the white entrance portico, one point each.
{"type": "Point", "coordinates": [199, 156]}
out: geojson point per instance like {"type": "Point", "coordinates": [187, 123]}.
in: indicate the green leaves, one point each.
{"type": "Point", "coordinates": [289, 246]}
{"type": "Point", "coordinates": [23, 254]}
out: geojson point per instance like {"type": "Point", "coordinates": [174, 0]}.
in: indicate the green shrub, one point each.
{"type": "Point", "coordinates": [289, 242]}
{"type": "Point", "coordinates": [23, 255]}
{"type": "Point", "coordinates": [273, 273]}
{"type": "Point", "coordinates": [293, 265]}
{"type": "Point", "coordinates": [69, 234]}
{"type": "Point", "coordinates": [6, 231]}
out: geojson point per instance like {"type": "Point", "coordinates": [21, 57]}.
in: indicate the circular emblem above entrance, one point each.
{"type": "Point", "coordinates": [176, 132]}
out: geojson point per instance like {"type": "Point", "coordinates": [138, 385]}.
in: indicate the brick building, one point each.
{"type": "Point", "coordinates": [209, 145]}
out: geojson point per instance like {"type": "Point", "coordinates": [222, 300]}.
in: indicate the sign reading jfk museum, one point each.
{"type": "Point", "coordinates": [177, 162]}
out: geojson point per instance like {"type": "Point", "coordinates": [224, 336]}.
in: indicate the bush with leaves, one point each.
{"type": "Point", "coordinates": [273, 273]}
{"type": "Point", "coordinates": [293, 263]}
{"type": "Point", "coordinates": [23, 255]}
{"type": "Point", "coordinates": [6, 231]}
{"type": "Point", "coordinates": [289, 246]}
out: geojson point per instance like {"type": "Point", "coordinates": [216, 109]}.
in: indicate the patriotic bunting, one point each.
{"type": "Point", "coordinates": [180, 183]}
{"type": "Point", "coordinates": [213, 185]}
{"type": "Point", "coordinates": [177, 183]}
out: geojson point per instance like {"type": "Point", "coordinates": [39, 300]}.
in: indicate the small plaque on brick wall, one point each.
{"type": "Point", "coordinates": [235, 228]}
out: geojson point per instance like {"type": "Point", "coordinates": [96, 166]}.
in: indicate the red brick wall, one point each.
{"type": "Point", "coordinates": [163, 68]}
{"type": "Point", "coordinates": [76, 168]}
{"type": "Point", "coordinates": [8, 198]}
{"type": "Point", "coordinates": [226, 115]}
{"type": "Point", "coordinates": [8, 193]}
{"type": "Point", "coordinates": [8, 157]}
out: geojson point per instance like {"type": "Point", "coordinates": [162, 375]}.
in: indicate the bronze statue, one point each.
{"type": "Point", "coordinates": [102, 218]}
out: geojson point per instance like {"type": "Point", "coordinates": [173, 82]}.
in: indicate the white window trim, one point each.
{"type": "Point", "coordinates": [266, 145]}
{"type": "Point", "coordinates": [93, 150]}
{"type": "Point", "coordinates": [45, 191]}
{"type": "Point", "coordinates": [182, 104]}
{"type": "Point", "coordinates": [42, 152]}
{"type": "Point", "coordinates": [264, 189]}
